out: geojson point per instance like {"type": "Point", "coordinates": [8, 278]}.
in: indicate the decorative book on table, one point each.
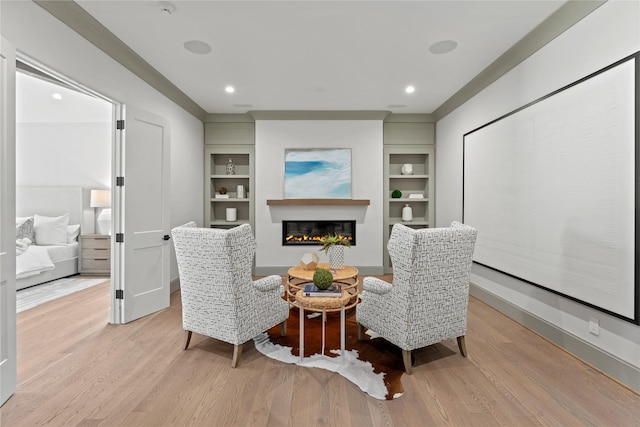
{"type": "Point", "coordinates": [311, 290]}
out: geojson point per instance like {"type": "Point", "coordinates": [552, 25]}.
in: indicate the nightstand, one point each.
{"type": "Point", "coordinates": [95, 252]}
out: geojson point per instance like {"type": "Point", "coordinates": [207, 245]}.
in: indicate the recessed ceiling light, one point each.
{"type": "Point", "coordinates": [229, 89]}
{"type": "Point", "coordinates": [444, 46]}
{"type": "Point", "coordinates": [166, 8]}
{"type": "Point", "coordinates": [197, 46]}
{"type": "Point", "coordinates": [56, 96]}
{"type": "Point", "coordinates": [410, 89]}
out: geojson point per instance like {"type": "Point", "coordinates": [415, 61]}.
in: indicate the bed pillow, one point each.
{"type": "Point", "coordinates": [73, 231]}
{"type": "Point", "coordinates": [24, 228]}
{"type": "Point", "coordinates": [50, 230]}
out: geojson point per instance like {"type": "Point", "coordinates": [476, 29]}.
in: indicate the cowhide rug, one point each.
{"type": "Point", "coordinates": [373, 364]}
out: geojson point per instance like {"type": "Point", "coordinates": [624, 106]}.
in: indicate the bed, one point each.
{"type": "Point", "coordinates": [49, 221]}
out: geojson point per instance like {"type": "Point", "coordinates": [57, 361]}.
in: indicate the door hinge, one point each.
{"type": "Point", "coordinates": [120, 181]}
{"type": "Point", "coordinates": [119, 238]}
{"type": "Point", "coordinates": [120, 124]}
{"type": "Point", "coordinates": [119, 294]}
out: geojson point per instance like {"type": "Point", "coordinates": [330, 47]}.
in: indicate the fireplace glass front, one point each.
{"type": "Point", "coordinates": [309, 232]}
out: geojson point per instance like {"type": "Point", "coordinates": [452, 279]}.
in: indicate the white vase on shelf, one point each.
{"type": "Point", "coordinates": [407, 169]}
{"type": "Point", "coordinates": [231, 214]}
{"type": "Point", "coordinates": [407, 213]}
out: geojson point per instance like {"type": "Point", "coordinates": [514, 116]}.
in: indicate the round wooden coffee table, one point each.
{"type": "Point", "coordinates": [299, 276]}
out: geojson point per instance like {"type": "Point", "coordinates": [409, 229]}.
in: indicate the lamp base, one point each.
{"type": "Point", "coordinates": [104, 221]}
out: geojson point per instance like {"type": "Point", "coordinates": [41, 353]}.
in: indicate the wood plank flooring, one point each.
{"type": "Point", "coordinates": [74, 369]}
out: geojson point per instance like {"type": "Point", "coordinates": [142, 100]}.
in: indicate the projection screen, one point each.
{"type": "Point", "coordinates": [551, 188]}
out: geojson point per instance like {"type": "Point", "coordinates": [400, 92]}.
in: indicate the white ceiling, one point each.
{"type": "Point", "coordinates": [35, 103]}
{"type": "Point", "coordinates": [320, 55]}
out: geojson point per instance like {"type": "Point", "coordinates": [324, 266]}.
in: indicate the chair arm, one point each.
{"type": "Point", "coordinates": [269, 283]}
{"type": "Point", "coordinates": [375, 285]}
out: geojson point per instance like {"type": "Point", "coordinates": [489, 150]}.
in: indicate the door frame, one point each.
{"type": "Point", "coordinates": [117, 109]}
{"type": "Point", "coordinates": [8, 354]}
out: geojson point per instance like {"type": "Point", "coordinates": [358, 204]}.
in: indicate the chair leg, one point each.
{"type": "Point", "coordinates": [283, 328]}
{"type": "Point", "coordinates": [237, 351]}
{"type": "Point", "coordinates": [462, 346]}
{"type": "Point", "coordinates": [406, 358]}
{"type": "Point", "coordinates": [186, 344]}
{"type": "Point", "coordinates": [360, 332]}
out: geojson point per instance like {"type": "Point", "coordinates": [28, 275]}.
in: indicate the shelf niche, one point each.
{"type": "Point", "coordinates": [318, 202]}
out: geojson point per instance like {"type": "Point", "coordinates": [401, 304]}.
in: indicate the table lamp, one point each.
{"type": "Point", "coordinates": [102, 199]}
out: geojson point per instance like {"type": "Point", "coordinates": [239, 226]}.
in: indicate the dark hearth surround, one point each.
{"type": "Point", "coordinates": [308, 232]}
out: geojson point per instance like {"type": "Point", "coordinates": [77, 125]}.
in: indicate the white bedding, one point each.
{"type": "Point", "coordinates": [61, 252]}
{"type": "Point", "coordinates": [37, 259]}
{"type": "Point", "coordinates": [34, 260]}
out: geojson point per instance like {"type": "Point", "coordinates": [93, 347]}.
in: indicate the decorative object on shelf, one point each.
{"type": "Point", "coordinates": [407, 169]}
{"type": "Point", "coordinates": [322, 278]}
{"type": "Point", "coordinates": [396, 194]}
{"type": "Point", "coordinates": [333, 245]}
{"type": "Point", "coordinates": [102, 199]}
{"type": "Point", "coordinates": [222, 193]}
{"type": "Point", "coordinates": [232, 214]}
{"type": "Point", "coordinates": [240, 191]}
{"type": "Point", "coordinates": [322, 173]}
{"type": "Point", "coordinates": [231, 168]}
{"type": "Point", "coordinates": [309, 261]}
{"type": "Point", "coordinates": [407, 213]}
{"type": "Point", "coordinates": [416, 196]}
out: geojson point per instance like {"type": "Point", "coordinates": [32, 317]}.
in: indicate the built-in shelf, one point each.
{"type": "Point", "coordinates": [421, 158]}
{"type": "Point", "coordinates": [318, 202]}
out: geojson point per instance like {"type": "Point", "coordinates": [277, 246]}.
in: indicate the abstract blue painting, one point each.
{"type": "Point", "coordinates": [317, 173]}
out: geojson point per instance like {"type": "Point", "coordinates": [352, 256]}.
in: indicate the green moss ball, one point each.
{"type": "Point", "coordinates": [322, 278]}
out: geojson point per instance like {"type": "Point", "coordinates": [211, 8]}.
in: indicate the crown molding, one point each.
{"type": "Point", "coordinates": [557, 23]}
{"type": "Point", "coordinates": [76, 18]}
{"type": "Point", "coordinates": [318, 115]}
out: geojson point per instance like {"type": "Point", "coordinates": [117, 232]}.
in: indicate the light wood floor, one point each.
{"type": "Point", "coordinates": [74, 369]}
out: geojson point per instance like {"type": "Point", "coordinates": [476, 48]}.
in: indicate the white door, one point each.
{"type": "Point", "coordinates": [8, 368]}
{"type": "Point", "coordinates": [141, 217]}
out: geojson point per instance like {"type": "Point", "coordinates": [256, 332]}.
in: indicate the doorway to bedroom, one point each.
{"type": "Point", "coordinates": [64, 140]}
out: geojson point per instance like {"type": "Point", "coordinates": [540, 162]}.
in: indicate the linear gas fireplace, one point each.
{"type": "Point", "coordinates": [310, 232]}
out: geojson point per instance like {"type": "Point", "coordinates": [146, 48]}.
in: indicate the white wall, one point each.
{"type": "Point", "coordinates": [63, 154]}
{"type": "Point", "coordinates": [365, 139]}
{"type": "Point", "coordinates": [37, 34]}
{"type": "Point", "coordinates": [61, 142]}
{"type": "Point", "coordinates": [610, 33]}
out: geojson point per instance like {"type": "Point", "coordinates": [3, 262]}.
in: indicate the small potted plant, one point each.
{"type": "Point", "coordinates": [333, 245]}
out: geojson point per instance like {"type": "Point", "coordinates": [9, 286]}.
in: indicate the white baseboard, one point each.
{"type": "Point", "coordinates": [174, 285]}
{"type": "Point", "coordinates": [609, 364]}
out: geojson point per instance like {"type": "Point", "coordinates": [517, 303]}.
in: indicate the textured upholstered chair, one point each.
{"type": "Point", "coordinates": [427, 302]}
{"type": "Point", "coordinates": [219, 297]}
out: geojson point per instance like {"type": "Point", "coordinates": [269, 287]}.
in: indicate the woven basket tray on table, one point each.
{"type": "Point", "coordinates": [323, 303]}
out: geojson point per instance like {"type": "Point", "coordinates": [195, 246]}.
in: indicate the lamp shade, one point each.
{"type": "Point", "coordinates": [100, 199]}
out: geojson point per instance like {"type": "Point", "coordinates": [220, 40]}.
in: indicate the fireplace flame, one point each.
{"type": "Point", "coordinates": [306, 238]}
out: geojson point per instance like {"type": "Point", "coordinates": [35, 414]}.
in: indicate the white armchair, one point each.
{"type": "Point", "coordinates": [427, 302]}
{"type": "Point", "coordinates": [219, 297]}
